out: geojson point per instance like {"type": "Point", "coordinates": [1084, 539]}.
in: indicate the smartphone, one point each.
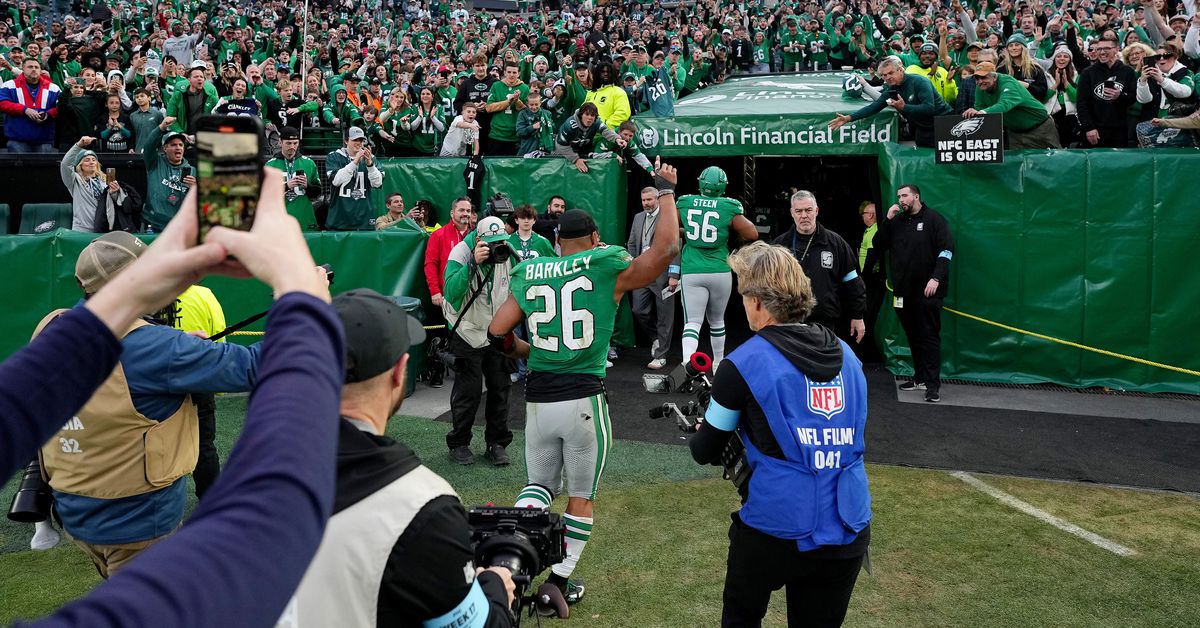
{"type": "Point", "coordinates": [111, 174]}
{"type": "Point", "coordinates": [1110, 83]}
{"type": "Point", "coordinates": [230, 170]}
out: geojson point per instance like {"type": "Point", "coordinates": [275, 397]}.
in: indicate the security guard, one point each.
{"type": "Point", "coordinates": [830, 265]}
{"type": "Point", "coordinates": [117, 467]}
{"type": "Point", "coordinates": [806, 511]}
{"type": "Point", "coordinates": [921, 248]}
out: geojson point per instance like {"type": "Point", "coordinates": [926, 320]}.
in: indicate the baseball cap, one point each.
{"type": "Point", "coordinates": [985, 68]}
{"type": "Point", "coordinates": [106, 256]}
{"type": "Point", "coordinates": [975, 44]}
{"type": "Point", "coordinates": [378, 331]}
{"type": "Point", "coordinates": [289, 133]}
{"type": "Point", "coordinates": [628, 76]}
{"type": "Point", "coordinates": [152, 70]}
{"type": "Point", "coordinates": [929, 48]}
{"type": "Point", "coordinates": [492, 230]}
{"type": "Point", "coordinates": [575, 223]}
{"type": "Point", "coordinates": [173, 135]}
{"type": "Point", "coordinates": [198, 64]}
{"type": "Point", "coordinates": [355, 133]}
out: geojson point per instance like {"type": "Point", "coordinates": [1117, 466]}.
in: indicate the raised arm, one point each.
{"type": "Point", "coordinates": [648, 266]}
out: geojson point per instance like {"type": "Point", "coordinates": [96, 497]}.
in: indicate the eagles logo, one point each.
{"type": "Point", "coordinates": [966, 127]}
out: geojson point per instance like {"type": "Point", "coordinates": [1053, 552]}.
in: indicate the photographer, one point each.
{"type": "Point", "coordinates": [390, 510]}
{"type": "Point", "coordinates": [476, 284]}
{"type": "Point", "coordinates": [806, 509]}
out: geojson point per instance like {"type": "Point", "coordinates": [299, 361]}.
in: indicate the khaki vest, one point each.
{"type": "Point", "coordinates": [110, 450]}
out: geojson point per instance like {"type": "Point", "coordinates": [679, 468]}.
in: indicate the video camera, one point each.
{"type": "Point", "coordinates": [500, 206]}
{"type": "Point", "coordinates": [441, 359]}
{"type": "Point", "coordinates": [33, 499]}
{"type": "Point", "coordinates": [526, 541]}
{"type": "Point", "coordinates": [693, 378]}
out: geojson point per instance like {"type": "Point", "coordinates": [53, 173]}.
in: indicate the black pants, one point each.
{"type": "Point", "coordinates": [655, 316]}
{"type": "Point", "coordinates": [921, 319]}
{"type": "Point", "coordinates": [818, 589]}
{"type": "Point", "coordinates": [208, 465]}
{"type": "Point", "coordinates": [868, 350]}
{"type": "Point", "coordinates": [477, 365]}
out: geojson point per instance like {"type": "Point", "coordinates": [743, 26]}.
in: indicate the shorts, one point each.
{"type": "Point", "coordinates": [574, 436]}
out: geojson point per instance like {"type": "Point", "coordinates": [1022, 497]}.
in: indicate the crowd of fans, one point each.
{"type": "Point", "coordinates": [438, 78]}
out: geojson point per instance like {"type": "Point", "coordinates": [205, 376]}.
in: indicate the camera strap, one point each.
{"type": "Point", "coordinates": [474, 295]}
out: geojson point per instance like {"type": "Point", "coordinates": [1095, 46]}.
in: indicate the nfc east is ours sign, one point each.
{"type": "Point", "coordinates": [969, 140]}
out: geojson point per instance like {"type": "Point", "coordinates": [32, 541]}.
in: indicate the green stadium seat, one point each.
{"type": "Point", "coordinates": [5, 212]}
{"type": "Point", "coordinates": [43, 217]}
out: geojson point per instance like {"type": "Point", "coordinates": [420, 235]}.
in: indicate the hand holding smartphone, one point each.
{"type": "Point", "coordinates": [230, 168]}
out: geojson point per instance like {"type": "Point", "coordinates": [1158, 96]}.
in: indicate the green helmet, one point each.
{"type": "Point", "coordinates": [713, 181]}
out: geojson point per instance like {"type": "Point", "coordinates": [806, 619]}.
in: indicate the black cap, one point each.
{"type": "Point", "coordinates": [378, 332]}
{"type": "Point", "coordinates": [575, 223]}
{"type": "Point", "coordinates": [289, 133]}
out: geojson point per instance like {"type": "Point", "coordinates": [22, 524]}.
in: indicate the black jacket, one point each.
{"type": "Point", "coordinates": [1096, 112]}
{"type": "Point", "coordinates": [921, 247]}
{"type": "Point", "coordinates": [832, 267]}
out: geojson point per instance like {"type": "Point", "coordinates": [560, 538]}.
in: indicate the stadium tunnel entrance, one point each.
{"type": "Point", "coordinates": [764, 185]}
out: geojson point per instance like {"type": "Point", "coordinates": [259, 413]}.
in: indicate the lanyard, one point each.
{"type": "Point", "coordinates": [804, 255]}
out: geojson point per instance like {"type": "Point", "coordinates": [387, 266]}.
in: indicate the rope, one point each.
{"type": "Point", "coordinates": [1076, 345]}
{"type": "Point", "coordinates": [259, 333]}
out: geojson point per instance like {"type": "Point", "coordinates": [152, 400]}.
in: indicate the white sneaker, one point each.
{"type": "Point", "coordinates": [657, 364]}
{"type": "Point", "coordinates": [608, 364]}
{"type": "Point", "coordinates": [44, 536]}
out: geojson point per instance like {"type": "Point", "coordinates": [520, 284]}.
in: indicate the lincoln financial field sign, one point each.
{"type": "Point", "coordinates": [773, 115]}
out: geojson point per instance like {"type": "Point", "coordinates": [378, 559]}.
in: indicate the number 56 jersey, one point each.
{"type": "Point", "coordinates": [569, 308]}
{"type": "Point", "coordinates": [705, 221]}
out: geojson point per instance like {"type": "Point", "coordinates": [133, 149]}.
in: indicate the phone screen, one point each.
{"type": "Point", "coordinates": [229, 177]}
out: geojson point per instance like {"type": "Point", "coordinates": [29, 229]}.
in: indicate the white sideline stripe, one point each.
{"type": "Point", "coordinates": [1037, 513]}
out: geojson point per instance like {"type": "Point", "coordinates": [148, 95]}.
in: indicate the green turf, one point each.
{"type": "Point", "coordinates": [943, 553]}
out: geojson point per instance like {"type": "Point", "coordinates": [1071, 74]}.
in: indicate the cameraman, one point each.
{"type": "Point", "coordinates": [476, 285]}
{"type": "Point", "coordinates": [398, 546]}
{"type": "Point", "coordinates": [806, 510]}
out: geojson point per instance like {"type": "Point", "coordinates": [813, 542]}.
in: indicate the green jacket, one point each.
{"type": "Point", "coordinates": [176, 107]}
{"type": "Point", "coordinates": [532, 139]}
{"type": "Point", "coordinates": [164, 183]}
{"type": "Point", "coordinates": [1022, 112]}
{"type": "Point", "coordinates": [298, 201]}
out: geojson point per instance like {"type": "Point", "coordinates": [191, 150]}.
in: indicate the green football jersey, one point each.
{"type": "Point", "coordinates": [705, 221]}
{"type": "Point", "coordinates": [569, 308]}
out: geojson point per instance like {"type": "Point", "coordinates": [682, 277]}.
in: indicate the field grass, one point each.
{"type": "Point", "coordinates": [943, 553]}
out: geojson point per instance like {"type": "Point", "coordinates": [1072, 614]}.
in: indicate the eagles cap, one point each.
{"type": "Point", "coordinates": [492, 230]}
{"type": "Point", "coordinates": [106, 256]}
{"type": "Point", "coordinates": [575, 223]}
{"type": "Point", "coordinates": [378, 331]}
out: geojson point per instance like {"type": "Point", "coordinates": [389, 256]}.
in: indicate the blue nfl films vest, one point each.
{"type": "Point", "coordinates": [817, 496]}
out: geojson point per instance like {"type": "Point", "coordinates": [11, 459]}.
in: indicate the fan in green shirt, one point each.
{"type": "Point", "coordinates": [506, 99]}
{"type": "Point", "coordinates": [301, 180]}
